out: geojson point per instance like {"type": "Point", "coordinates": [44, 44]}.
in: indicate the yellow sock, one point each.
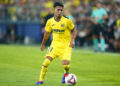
{"type": "Point", "coordinates": [44, 69]}
{"type": "Point", "coordinates": [66, 68]}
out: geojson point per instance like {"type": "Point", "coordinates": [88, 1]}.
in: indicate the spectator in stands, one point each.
{"type": "Point", "coordinates": [10, 34]}
{"type": "Point", "coordinates": [110, 32]}
{"type": "Point", "coordinates": [40, 10]}
{"type": "Point", "coordinates": [117, 34]}
{"type": "Point", "coordinates": [44, 20]}
{"type": "Point", "coordinates": [2, 15]}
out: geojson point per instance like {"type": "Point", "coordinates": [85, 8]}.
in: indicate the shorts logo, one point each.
{"type": "Point", "coordinates": [62, 25]}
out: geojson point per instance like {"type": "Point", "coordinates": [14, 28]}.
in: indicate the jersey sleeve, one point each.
{"type": "Point", "coordinates": [104, 12]}
{"type": "Point", "coordinates": [92, 15]}
{"type": "Point", "coordinates": [70, 25]}
{"type": "Point", "coordinates": [48, 27]}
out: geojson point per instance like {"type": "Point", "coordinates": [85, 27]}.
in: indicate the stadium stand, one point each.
{"type": "Point", "coordinates": [26, 18]}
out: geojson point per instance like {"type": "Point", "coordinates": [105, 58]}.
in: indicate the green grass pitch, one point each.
{"type": "Point", "coordinates": [20, 66]}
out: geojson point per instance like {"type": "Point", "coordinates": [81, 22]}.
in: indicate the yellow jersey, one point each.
{"type": "Point", "coordinates": [61, 31]}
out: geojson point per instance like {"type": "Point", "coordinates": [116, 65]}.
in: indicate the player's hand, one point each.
{"type": "Point", "coordinates": [72, 44]}
{"type": "Point", "coordinates": [42, 47]}
{"type": "Point", "coordinates": [95, 22]}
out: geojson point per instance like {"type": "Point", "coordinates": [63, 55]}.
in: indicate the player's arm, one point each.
{"type": "Point", "coordinates": [105, 16]}
{"type": "Point", "coordinates": [46, 35]}
{"type": "Point", "coordinates": [73, 36]}
{"type": "Point", "coordinates": [45, 38]}
{"type": "Point", "coordinates": [93, 20]}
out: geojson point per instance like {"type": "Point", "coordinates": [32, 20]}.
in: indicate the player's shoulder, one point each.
{"type": "Point", "coordinates": [94, 10]}
{"type": "Point", "coordinates": [102, 9]}
{"type": "Point", "coordinates": [66, 18]}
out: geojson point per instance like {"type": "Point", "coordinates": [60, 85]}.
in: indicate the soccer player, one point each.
{"type": "Point", "coordinates": [64, 34]}
{"type": "Point", "coordinates": [98, 17]}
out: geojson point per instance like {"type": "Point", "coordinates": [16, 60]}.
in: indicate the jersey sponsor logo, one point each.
{"type": "Point", "coordinates": [58, 31]}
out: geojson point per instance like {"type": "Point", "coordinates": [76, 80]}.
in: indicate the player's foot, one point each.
{"type": "Point", "coordinates": [63, 79]}
{"type": "Point", "coordinates": [95, 51]}
{"type": "Point", "coordinates": [102, 51]}
{"type": "Point", "coordinates": [39, 83]}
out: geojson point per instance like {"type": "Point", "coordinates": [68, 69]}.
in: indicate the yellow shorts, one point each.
{"type": "Point", "coordinates": [62, 53]}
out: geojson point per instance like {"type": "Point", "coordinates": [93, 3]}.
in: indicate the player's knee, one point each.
{"type": "Point", "coordinates": [101, 37]}
{"type": "Point", "coordinates": [50, 58]}
{"type": "Point", "coordinates": [65, 62]}
{"type": "Point", "coordinates": [93, 36]}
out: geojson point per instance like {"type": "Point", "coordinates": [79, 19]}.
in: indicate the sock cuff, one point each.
{"type": "Point", "coordinates": [66, 66]}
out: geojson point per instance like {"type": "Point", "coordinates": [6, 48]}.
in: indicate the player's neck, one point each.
{"type": "Point", "coordinates": [57, 19]}
{"type": "Point", "coordinates": [99, 7]}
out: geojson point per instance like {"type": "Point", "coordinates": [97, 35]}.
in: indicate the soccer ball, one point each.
{"type": "Point", "coordinates": [71, 79]}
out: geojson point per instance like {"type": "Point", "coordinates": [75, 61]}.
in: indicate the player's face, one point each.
{"type": "Point", "coordinates": [99, 5]}
{"type": "Point", "coordinates": [58, 11]}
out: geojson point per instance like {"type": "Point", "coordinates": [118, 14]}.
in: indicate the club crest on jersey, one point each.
{"type": "Point", "coordinates": [62, 25]}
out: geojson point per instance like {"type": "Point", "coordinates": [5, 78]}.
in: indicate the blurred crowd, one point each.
{"type": "Point", "coordinates": [79, 11]}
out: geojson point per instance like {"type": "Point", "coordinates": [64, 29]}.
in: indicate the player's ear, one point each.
{"type": "Point", "coordinates": [53, 8]}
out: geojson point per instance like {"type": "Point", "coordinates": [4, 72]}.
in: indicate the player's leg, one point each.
{"type": "Point", "coordinates": [94, 37]}
{"type": "Point", "coordinates": [95, 42]}
{"type": "Point", "coordinates": [44, 69]}
{"type": "Point", "coordinates": [66, 67]}
{"type": "Point", "coordinates": [66, 62]}
{"type": "Point", "coordinates": [101, 36]}
{"type": "Point", "coordinates": [49, 57]}
{"type": "Point", "coordinates": [102, 42]}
